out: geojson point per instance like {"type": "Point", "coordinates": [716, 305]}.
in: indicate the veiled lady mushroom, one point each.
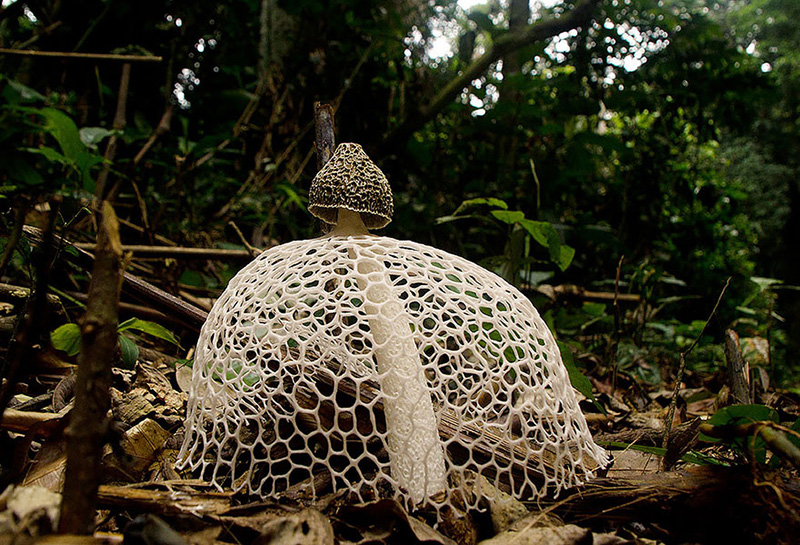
{"type": "Point", "coordinates": [345, 355]}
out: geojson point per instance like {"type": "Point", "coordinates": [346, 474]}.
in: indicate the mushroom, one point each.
{"type": "Point", "coordinates": [313, 338]}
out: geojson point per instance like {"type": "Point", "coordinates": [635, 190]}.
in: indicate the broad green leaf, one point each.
{"type": "Point", "coordinates": [15, 93]}
{"type": "Point", "coordinates": [735, 415]}
{"type": "Point", "coordinates": [50, 154]}
{"type": "Point", "coordinates": [537, 229]}
{"type": "Point", "coordinates": [130, 352]}
{"type": "Point", "coordinates": [64, 130]}
{"type": "Point", "coordinates": [151, 328]}
{"type": "Point", "coordinates": [565, 259]}
{"type": "Point", "coordinates": [576, 378]}
{"type": "Point", "coordinates": [491, 201]}
{"type": "Point", "coordinates": [594, 309]}
{"type": "Point", "coordinates": [67, 338]}
{"type": "Point", "coordinates": [508, 216]}
{"type": "Point", "coordinates": [91, 136]}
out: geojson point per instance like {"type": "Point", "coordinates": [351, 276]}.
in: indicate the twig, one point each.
{"type": "Point", "coordinates": [143, 231]}
{"type": "Point", "coordinates": [252, 251]}
{"type": "Point", "coordinates": [119, 124]}
{"type": "Point", "coordinates": [682, 369]}
{"type": "Point", "coordinates": [88, 426]}
{"type": "Point", "coordinates": [80, 56]}
{"type": "Point", "coordinates": [161, 129]}
{"type": "Point", "coordinates": [140, 250]}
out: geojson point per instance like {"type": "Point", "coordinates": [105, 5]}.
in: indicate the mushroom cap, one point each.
{"type": "Point", "coordinates": [351, 180]}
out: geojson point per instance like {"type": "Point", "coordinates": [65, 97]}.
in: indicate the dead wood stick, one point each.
{"type": "Point", "coordinates": [20, 294]}
{"type": "Point", "coordinates": [191, 503]}
{"type": "Point", "coordinates": [578, 292]}
{"type": "Point", "coordinates": [79, 56]}
{"type": "Point", "coordinates": [167, 303]}
{"type": "Point", "coordinates": [118, 125]}
{"type": "Point", "coordinates": [144, 250]}
{"type": "Point", "coordinates": [20, 209]}
{"type": "Point", "coordinates": [86, 433]}
{"type": "Point", "coordinates": [325, 132]}
{"type": "Point", "coordinates": [738, 370]}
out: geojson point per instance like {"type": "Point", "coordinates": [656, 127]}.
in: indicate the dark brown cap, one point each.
{"type": "Point", "coordinates": [351, 180]}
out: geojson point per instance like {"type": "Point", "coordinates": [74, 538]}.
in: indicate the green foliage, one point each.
{"type": "Point", "coordinates": [516, 263]}
{"type": "Point", "coordinates": [656, 132]}
{"type": "Point", "coordinates": [67, 338]}
{"type": "Point", "coordinates": [736, 415]}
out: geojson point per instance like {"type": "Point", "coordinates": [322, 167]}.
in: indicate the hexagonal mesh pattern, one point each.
{"type": "Point", "coordinates": [287, 387]}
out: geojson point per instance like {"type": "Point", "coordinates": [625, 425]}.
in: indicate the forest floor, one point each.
{"type": "Point", "coordinates": [740, 486]}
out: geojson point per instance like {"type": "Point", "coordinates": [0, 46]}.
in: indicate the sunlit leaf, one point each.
{"type": "Point", "coordinates": [67, 338]}
{"type": "Point", "coordinates": [150, 328]}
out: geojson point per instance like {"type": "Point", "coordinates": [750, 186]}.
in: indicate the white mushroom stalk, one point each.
{"type": "Point", "coordinates": [415, 450]}
{"type": "Point", "coordinates": [373, 360]}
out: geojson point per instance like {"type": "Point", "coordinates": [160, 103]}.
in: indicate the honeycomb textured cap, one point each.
{"type": "Point", "coordinates": [286, 384]}
{"type": "Point", "coordinates": [351, 180]}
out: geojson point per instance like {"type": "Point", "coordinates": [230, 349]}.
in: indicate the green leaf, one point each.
{"type": "Point", "coordinates": [151, 328]}
{"type": "Point", "coordinates": [64, 130]}
{"type": "Point", "coordinates": [736, 415]}
{"type": "Point", "coordinates": [537, 229]}
{"type": "Point", "coordinates": [491, 201]}
{"type": "Point", "coordinates": [576, 378]}
{"type": "Point", "coordinates": [50, 154]}
{"type": "Point", "coordinates": [16, 93]}
{"type": "Point", "coordinates": [67, 338]}
{"type": "Point", "coordinates": [690, 457]}
{"type": "Point", "coordinates": [565, 257]}
{"type": "Point", "coordinates": [594, 309]}
{"type": "Point", "coordinates": [508, 216]}
{"type": "Point", "coordinates": [91, 136]}
{"type": "Point", "coordinates": [130, 352]}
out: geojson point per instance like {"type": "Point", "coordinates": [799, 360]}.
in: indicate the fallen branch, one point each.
{"type": "Point", "coordinates": [142, 250]}
{"type": "Point", "coordinates": [79, 56]}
